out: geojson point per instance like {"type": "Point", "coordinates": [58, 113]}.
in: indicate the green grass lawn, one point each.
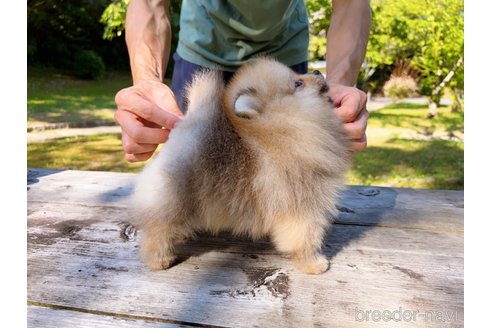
{"type": "Point", "coordinates": [391, 159]}
{"type": "Point", "coordinates": [413, 116]}
{"type": "Point", "coordinates": [436, 164]}
{"type": "Point", "coordinates": [101, 152]}
{"type": "Point", "coordinates": [54, 96]}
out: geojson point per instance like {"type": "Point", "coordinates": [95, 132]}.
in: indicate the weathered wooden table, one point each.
{"type": "Point", "coordinates": [396, 260]}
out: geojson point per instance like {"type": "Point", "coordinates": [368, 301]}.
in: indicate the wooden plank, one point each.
{"type": "Point", "coordinates": [102, 188]}
{"type": "Point", "coordinates": [39, 316]}
{"type": "Point", "coordinates": [85, 257]}
{"type": "Point", "coordinates": [399, 250]}
{"type": "Point", "coordinates": [438, 210]}
{"type": "Point", "coordinates": [441, 210]}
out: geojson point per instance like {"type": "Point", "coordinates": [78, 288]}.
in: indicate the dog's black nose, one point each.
{"type": "Point", "coordinates": [316, 72]}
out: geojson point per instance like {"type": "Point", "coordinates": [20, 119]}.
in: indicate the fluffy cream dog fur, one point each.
{"type": "Point", "coordinates": [262, 156]}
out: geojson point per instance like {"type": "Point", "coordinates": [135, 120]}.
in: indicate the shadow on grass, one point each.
{"type": "Point", "coordinates": [54, 97]}
{"type": "Point", "coordinates": [405, 105]}
{"type": "Point", "coordinates": [390, 119]}
{"type": "Point", "coordinates": [92, 153]}
{"type": "Point", "coordinates": [79, 118]}
{"type": "Point", "coordinates": [69, 103]}
{"type": "Point", "coordinates": [455, 123]}
{"type": "Point", "coordinates": [416, 120]}
{"type": "Point", "coordinates": [408, 105]}
{"type": "Point", "coordinates": [435, 164]}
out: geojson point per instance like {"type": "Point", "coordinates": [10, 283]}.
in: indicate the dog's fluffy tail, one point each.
{"type": "Point", "coordinates": [205, 91]}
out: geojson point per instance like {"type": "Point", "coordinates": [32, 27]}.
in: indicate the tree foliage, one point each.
{"type": "Point", "coordinates": [422, 38]}
{"type": "Point", "coordinates": [57, 30]}
{"type": "Point", "coordinates": [425, 35]}
{"type": "Point", "coordinates": [319, 12]}
{"type": "Point", "coordinates": [113, 19]}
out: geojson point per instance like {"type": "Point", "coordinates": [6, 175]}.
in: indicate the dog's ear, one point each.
{"type": "Point", "coordinates": [246, 106]}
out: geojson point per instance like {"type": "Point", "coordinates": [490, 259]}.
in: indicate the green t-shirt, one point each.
{"type": "Point", "coordinates": [227, 33]}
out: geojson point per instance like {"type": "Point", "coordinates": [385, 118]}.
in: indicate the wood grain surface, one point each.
{"type": "Point", "coordinates": [396, 260]}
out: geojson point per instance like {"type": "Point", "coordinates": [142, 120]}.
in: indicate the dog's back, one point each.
{"type": "Point", "coordinates": [270, 171]}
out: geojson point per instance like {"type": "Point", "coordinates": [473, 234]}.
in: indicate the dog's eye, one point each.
{"type": "Point", "coordinates": [298, 84]}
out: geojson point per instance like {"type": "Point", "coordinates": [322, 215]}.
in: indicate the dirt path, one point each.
{"type": "Point", "coordinates": [63, 133]}
{"type": "Point", "coordinates": [413, 134]}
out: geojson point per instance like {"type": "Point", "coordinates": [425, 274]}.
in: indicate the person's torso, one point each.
{"type": "Point", "coordinates": [227, 33]}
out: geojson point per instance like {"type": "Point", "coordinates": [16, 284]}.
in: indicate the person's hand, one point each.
{"type": "Point", "coordinates": [350, 106]}
{"type": "Point", "coordinates": [146, 113]}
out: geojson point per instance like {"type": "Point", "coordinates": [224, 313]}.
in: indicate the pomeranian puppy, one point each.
{"type": "Point", "coordinates": [263, 156]}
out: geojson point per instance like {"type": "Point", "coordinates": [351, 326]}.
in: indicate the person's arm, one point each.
{"type": "Point", "coordinates": [346, 40]}
{"type": "Point", "coordinates": [346, 45]}
{"type": "Point", "coordinates": [148, 39]}
{"type": "Point", "coordinates": [149, 105]}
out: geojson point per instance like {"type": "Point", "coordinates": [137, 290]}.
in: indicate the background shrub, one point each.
{"type": "Point", "coordinates": [89, 65]}
{"type": "Point", "coordinates": [399, 87]}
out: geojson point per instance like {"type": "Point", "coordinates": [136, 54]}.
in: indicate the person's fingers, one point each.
{"type": "Point", "coordinates": [349, 102]}
{"type": "Point", "coordinates": [358, 145]}
{"type": "Point", "coordinates": [357, 129]}
{"type": "Point", "coordinates": [142, 112]}
{"type": "Point", "coordinates": [148, 123]}
{"type": "Point", "coordinates": [350, 107]}
{"type": "Point", "coordinates": [131, 147]}
{"type": "Point", "coordinates": [130, 100]}
{"type": "Point", "coordinates": [133, 158]}
{"type": "Point", "coordinates": [137, 131]}
{"type": "Point", "coordinates": [163, 96]}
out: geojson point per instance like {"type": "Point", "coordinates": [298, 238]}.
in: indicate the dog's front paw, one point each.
{"type": "Point", "coordinates": [315, 264]}
{"type": "Point", "coordinates": [156, 254]}
{"type": "Point", "coordinates": [156, 262]}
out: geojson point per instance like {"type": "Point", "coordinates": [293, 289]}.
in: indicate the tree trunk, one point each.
{"type": "Point", "coordinates": [432, 103]}
{"type": "Point", "coordinates": [457, 101]}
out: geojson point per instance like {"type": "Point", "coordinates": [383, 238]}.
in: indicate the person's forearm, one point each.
{"type": "Point", "coordinates": [347, 40]}
{"type": "Point", "coordinates": [148, 39]}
